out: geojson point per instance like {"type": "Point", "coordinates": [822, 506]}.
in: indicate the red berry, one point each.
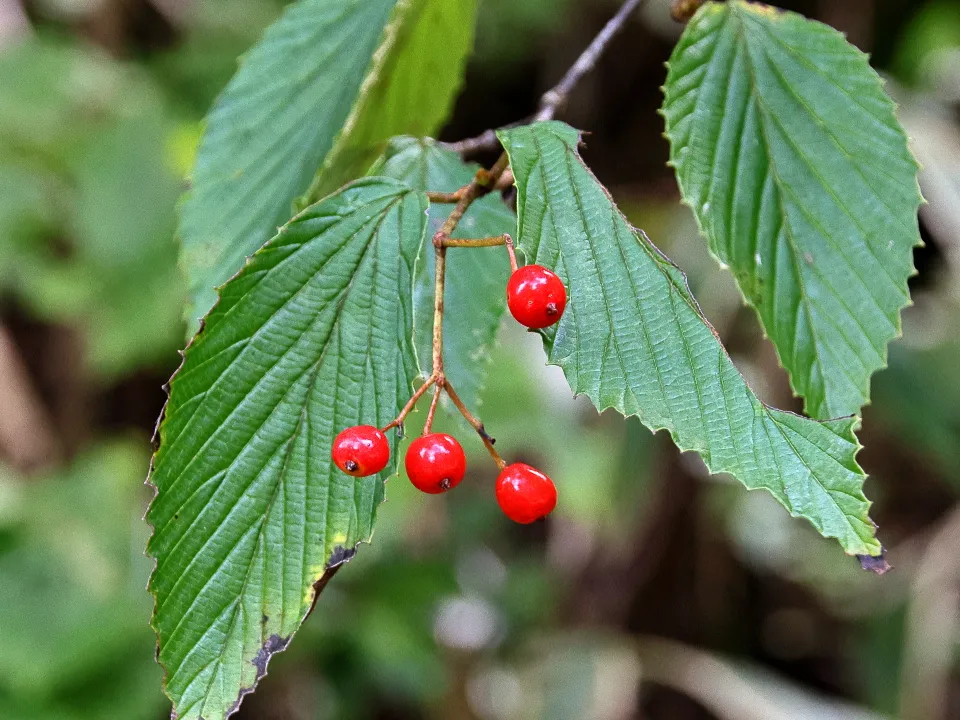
{"type": "Point", "coordinates": [536, 296]}
{"type": "Point", "coordinates": [361, 450]}
{"type": "Point", "coordinates": [525, 494]}
{"type": "Point", "coordinates": [435, 463]}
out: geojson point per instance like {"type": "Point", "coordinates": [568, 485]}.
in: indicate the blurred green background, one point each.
{"type": "Point", "coordinates": [655, 591]}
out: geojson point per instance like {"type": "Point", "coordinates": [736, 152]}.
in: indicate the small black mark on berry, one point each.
{"type": "Point", "coordinates": [445, 484]}
{"type": "Point", "coordinates": [351, 466]}
{"type": "Point", "coordinates": [551, 309]}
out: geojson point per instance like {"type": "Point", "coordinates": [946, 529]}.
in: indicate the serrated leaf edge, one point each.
{"type": "Point", "coordinates": [274, 643]}
{"type": "Point", "coordinates": [846, 424]}
{"type": "Point", "coordinates": [762, 8]}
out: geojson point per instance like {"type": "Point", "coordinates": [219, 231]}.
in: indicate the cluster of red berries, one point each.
{"type": "Point", "coordinates": [436, 462]}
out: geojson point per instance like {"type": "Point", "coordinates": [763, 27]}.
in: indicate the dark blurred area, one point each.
{"type": "Point", "coordinates": [655, 591]}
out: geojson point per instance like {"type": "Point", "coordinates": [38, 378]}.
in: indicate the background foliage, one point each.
{"type": "Point", "coordinates": [654, 592]}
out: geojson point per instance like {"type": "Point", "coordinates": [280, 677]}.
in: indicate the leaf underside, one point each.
{"type": "Point", "coordinates": [330, 82]}
{"type": "Point", "coordinates": [268, 133]}
{"type": "Point", "coordinates": [790, 154]}
{"type": "Point", "coordinates": [633, 338]}
{"type": "Point", "coordinates": [417, 77]}
{"type": "Point", "coordinates": [313, 335]}
{"type": "Point", "coordinates": [474, 297]}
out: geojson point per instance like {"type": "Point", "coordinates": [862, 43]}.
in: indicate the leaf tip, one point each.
{"type": "Point", "coordinates": [876, 564]}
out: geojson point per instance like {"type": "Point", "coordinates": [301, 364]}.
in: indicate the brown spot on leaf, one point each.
{"type": "Point", "coordinates": [875, 564]}
{"type": "Point", "coordinates": [271, 647]}
{"type": "Point", "coordinates": [340, 555]}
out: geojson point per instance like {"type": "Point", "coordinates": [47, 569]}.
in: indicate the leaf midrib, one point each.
{"type": "Point", "coordinates": [376, 221]}
{"type": "Point", "coordinates": [234, 308]}
{"type": "Point", "coordinates": [675, 292]}
{"type": "Point", "coordinates": [779, 189]}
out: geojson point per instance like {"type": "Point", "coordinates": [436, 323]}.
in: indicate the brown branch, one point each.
{"type": "Point", "coordinates": [485, 181]}
{"type": "Point", "coordinates": [556, 97]}
{"type": "Point", "coordinates": [440, 273]}
{"type": "Point", "coordinates": [485, 141]}
{"type": "Point", "coordinates": [506, 180]}
{"type": "Point", "coordinates": [445, 198]}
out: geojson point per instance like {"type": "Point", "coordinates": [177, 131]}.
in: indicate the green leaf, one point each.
{"type": "Point", "coordinates": [269, 132]}
{"type": "Point", "coordinates": [411, 90]}
{"type": "Point", "coordinates": [474, 297]}
{"type": "Point", "coordinates": [312, 336]}
{"type": "Point", "coordinates": [789, 152]}
{"type": "Point", "coordinates": [633, 338]}
{"type": "Point", "coordinates": [324, 63]}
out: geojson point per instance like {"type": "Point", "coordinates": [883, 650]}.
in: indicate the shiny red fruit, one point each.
{"type": "Point", "coordinates": [536, 296]}
{"type": "Point", "coordinates": [435, 463]}
{"type": "Point", "coordinates": [525, 494]}
{"type": "Point", "coordinates": [361, 450]}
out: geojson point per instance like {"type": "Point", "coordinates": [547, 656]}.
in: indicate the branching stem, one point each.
{"type": "Point", "coordinates": [477, 425]}
{"type": "Point", "coordinates": [498, 177]}
{"type": "Point", "coordinates": [411, 403]}
{"type": "Point", "coordinates": [556, 97]}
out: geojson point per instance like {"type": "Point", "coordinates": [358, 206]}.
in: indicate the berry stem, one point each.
{"type": "Point", "coordinates": [485, 181]}
{"type": "Point", "coordinates": [445, 198]}
{"type": "Point", "coordinates": [411, 403]}
{"type": "Point", "coordinates": [438, 290]}
{"type": "Point", "coordinates": [477, 242]}
{"type": "Point", "coordinates": [511, 253]}
{"type": "Point", "coordinates": [428, 425]}
{"type": "Point", "coordinates": [476, 424]}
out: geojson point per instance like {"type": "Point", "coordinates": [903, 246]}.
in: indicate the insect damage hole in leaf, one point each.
{"type": "Point", "coordinates": [790, 154]}
{"type": "Point", "coordinates": [633, 338]}
{"type": "Point", "coordinates": [250, 514]}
